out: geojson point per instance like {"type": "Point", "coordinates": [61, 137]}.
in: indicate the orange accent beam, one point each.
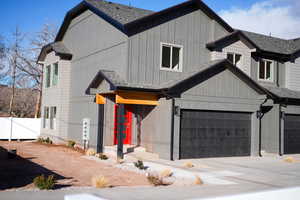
{"type": "Point", "coordinates": [100, 99]}
{"type": "Point", "coordinates": [138, 98]}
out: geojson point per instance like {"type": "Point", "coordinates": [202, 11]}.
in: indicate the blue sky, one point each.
{"type": "Point", "coordinates": [29, 15]}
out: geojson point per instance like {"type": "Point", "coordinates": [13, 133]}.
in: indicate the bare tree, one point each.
{"type": "Point", "coordinates": [29, 73]}
{"type": "Point", "coordinates": [3, 66]}
{"type": "Point", "coordinates": [13, 61]}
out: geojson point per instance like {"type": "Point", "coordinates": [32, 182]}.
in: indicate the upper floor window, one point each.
{"type": "Point", "coordinates": [48, 76]}
{"type": "Point", "coordinates": [234, 58]}
{"type": "Point", "coordinates": [171, 57]}
{"type": "Point", "coordinates": [265, 70]}
{"type": "Point", "coordinates": [51, 75]}
{"type": "Point", "coordinates": [55, 74]}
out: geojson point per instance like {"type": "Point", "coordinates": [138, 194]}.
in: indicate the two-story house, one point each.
{"type": "Point", "coordinates": [192, 86]}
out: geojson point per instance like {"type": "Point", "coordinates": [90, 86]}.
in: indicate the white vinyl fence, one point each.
{"type": "Point", "coordinates": [22, 128]}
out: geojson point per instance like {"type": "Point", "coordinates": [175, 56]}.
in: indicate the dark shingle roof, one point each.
{"type": "Point", "coordinates": [284, 92]}
{"type": "Point", "coordinates": [121, 13]}
{"type": "Point", "coordinates": [206, 71]}
{"type": "Point", "coordinates": [58, 47]}
{"type": "Point", "coordinates": [273, 44]}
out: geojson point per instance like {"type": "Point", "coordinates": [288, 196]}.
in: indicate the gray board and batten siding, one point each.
{"type": "Point", "coordinates": [90, 54]}
{"type": "Point", "coordinates": [222, 92]}
{"type": "Point", "coordinates": [192, 31]}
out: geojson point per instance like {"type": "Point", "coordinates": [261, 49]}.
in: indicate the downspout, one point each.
{"type": "Point", "coordinates": [261, 115]}
{"type": "Point", "coordinates": [172, 124]}
{"type": "Point", "coordinates": [280, 117]}
{"type": "Point", "coordinates": [172, 130]}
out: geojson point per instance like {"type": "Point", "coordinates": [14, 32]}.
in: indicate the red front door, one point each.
{"type": "Point", "coordinates": [128, 125]}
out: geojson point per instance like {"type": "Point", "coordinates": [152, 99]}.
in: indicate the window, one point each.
{"type": "Point", "coordinates": [46, 117]}
{"type": "Point", "coordinates": [234, 58]}
{"type": "Point", "coordinates": [53, 118]}
{"type": "Point", "coordinates": [171, 57]}
{"type": "Point", "coordinates": [55, 74]}
{"type": "Point", "coordinates": [48, 76]}
{"type": "Point", "coordinates": [265, 71]}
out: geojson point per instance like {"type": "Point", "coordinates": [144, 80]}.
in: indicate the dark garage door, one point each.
{"type": "Point", "coordinates": [292, 134]}
{"type": "Point", "coordinates": [214, 134]}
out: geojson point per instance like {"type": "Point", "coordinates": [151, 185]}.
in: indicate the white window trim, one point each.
{"type": "Point", "coordinates": [51, 75]}
{"type": "Point", "coordinates": [180, 57]}
{"type": "Point", "coordinates": [272, 71]}
{"type": "Point", "coordinates": [234, 54]}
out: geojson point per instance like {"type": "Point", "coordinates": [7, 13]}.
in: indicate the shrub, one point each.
{"type": "Point", "coordinates": [154, 180]}
{"type": "Point", "coordinates": [71, 143]}
{"type": "Point", "coordinates": [44, 183]}
{"type": "Point", "coordinates": [198, 181]}
{"type": "Point", "coordinates": [289, 159]}
{"type": "Point", "coordinates": [90, 152]}
{"type": "Point", "coordinates": [102, 156]}
{"type": "Point", "coordinates": [188, 165]}
{"type": "Point", "coordinates": [166, 173]}
{"type": "Point", "coordinates": [45, 141]}
{"type": "Point", "coordinates": [140, 165]}
{"type": "Point", "coordinates": [48, 141]}
{"type": "Point", "coordinates": [99, 181]}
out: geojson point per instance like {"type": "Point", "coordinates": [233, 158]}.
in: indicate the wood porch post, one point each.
{"type": "Point", "coordinates": [121, 130]}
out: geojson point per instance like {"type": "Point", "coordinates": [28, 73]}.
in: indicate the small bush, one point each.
{"type": "Point", "coordinates": [166, 173]}
{"type": "Point", "coordinates": [289, 159]}
{"type": "Point", "coordinates": [102, 156]}
{"type": "Point", "coordinates": [45, 141]}
{"type": "Point", "coordinates": [198, 181]}
{"type": "Point", "coordinates": [91, 152]}
{"type": "Point", "coordinates": [40, 140]}
{"type": "Point", "coordinates": [44, 183]}
{"type": "Point", "coordinates": [48, 141]}
{"type": "Point", "coordinates": [188, 165]}
{"type": "Point", "coordinates": [99, 182]}
{"type": "Point", "coordinates": [140, 165]}
{"type": "Point", "coordinates": [71, 143]}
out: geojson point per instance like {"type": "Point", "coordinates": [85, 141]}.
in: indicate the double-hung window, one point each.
{"type": "Point", "coordinates": [265, 70]}
{"type": "Point", "coordinates": [51, 75]}
{"type": "Point", "coordinates": [53, 117]}
{"type": "Point", "coordinates": [171, 57]}
{"type": "Point", "coordinates": [46, 117]}
{"type": "Point", "coordinates": [235, 58]}
{"type": "Point", "coordinates": [54, 74]}
{"type": "Point", "coordinates": [48, 76]}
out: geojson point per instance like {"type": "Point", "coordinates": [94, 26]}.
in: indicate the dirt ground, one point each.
{"type": "Point", "coordinates": [68, 166]}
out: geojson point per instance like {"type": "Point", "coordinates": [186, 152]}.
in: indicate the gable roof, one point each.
{"type": "Point", "coordinates": [175, 87]}
{"type": "Point", "coordinates": [265, 45]}
{"type": "Point", "coordinates": [121, 13]}
{"type": "Point", "coordinates": [58, 47]}
{"type": "Point", "coordinates": [271, 44]}
{"type": "Point", "coordinates": [209, 70]}
{"type": "Point", "coordinates": [132, 20]}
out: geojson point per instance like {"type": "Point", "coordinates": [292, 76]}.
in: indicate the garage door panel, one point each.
{"type": "Point", "coordinates": [214, 134]}
{"type": "Point", "coordinates": [292, 134]}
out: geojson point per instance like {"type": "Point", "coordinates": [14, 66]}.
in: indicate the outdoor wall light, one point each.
{"type": "Point", "coordinates": [177, 111]}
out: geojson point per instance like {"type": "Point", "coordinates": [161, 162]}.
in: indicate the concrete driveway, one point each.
{"type": "Point", "coordinates": [239, 175]}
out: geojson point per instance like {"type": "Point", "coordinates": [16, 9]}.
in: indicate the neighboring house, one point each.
{"type": "Point", "coordinates": [193, 86]}
{"type": "Point", "coordinates": [24, 103]}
